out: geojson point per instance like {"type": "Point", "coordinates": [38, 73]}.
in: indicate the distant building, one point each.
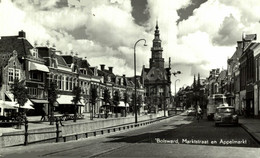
{"type": "Point", "coordinates": [157, 78]}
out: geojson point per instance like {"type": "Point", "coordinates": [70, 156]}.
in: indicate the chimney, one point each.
{"type": "Point", "coordinates": [21, 34]}
{"type": "Point", "coordinates": [124, 75]}
{"type": "Point", "coordinates": [110, 69]}
{"type": "Point", "coordinates": [102, 66]}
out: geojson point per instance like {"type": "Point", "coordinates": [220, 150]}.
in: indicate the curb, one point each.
{"type": "Point", "coordinates": [250, 133]}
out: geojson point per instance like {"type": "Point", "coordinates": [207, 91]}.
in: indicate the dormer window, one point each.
{"type": "Point", "coordinates": [122, 81]}
{"type": "Point", "coordinates": [108, 78]}
{"type": "Point", "coordinates": [34, 52]}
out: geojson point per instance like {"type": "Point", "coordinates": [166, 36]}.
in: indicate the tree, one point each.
{"type": "Point", "coordinates": [21, 95]}
{"type": "Point", "coordinates": [52, 98]}
{"type": "Point", "coordinates": [139, 102]}
{"type": "Point", "coordinates": [93, 100]}
{"type": "Point", "coordinates": [116, 99]}
{"type": "Point", "coordinates": [126, 100]}
{"type": "Point", "coordinates": [106, 99]}
{"type": "Point", "coordinates": [132, 105]}
{"type": "Point", "coordinates": [76, 99]}
{"type": "Point", "coordinates": [20, 92]}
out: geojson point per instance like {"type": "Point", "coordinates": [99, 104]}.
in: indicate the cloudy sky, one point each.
{"type": "Point", "coordinates": [198, 35]}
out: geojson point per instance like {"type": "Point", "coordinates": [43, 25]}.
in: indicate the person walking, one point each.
{"type": "Point", "coordinates": [199, 113]}
{"type": "Point", "coordinates": [43, 118]}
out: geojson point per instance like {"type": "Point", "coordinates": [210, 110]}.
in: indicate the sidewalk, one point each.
{"type": "Point", "coordinates": [252, 126]}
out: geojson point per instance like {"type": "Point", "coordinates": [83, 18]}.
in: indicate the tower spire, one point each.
{"type": "Point", "coordinates": [157, 59]}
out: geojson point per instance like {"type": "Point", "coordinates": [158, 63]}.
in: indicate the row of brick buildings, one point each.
{"type": "Point", "coordinates": [38, 65]}
{"type": "Point", "coordinates": [240, 82]}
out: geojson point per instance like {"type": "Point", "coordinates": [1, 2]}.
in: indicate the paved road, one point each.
{"type": "Point", "coordinates": [179, 136]}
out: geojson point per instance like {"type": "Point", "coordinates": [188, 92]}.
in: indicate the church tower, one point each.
{"type": "Point", "coordinates": [157, 60]}
{"type": "Point", "coordinates": [157, 78]}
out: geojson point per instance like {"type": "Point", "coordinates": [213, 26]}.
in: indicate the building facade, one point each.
{"type": "Point", "coordinates": [157, 78]}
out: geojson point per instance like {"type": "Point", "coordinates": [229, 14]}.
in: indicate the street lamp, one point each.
{"type": "Point", "coordinates": [135, 76]}
{"type": "Point", "coordinates": [177, 72]}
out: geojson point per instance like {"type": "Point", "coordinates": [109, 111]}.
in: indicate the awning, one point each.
{"type": "Point", "coordinates": [39, 67]}
{"type": "Point", "coordinates": [13, 103]}
{"type": "Point", "coordinates": [7, 105]}
{"type": "Point", "coordinates": [39, 101]}
{"type": "Point", "coordinates": [65, 99]}
{"type": "Point", "coordinates": [122, 104]}
{"type": "Point", "coordinates": [27, 105]}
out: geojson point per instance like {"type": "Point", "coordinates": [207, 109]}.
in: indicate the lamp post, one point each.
{"type": "Point", "coordinates": [135, 76]}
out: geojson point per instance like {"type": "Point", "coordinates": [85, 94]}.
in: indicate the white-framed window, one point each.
{"type": "Point", "coordinates": [70, 83]}
{"type": "Point", "coordinates": [62, 83]}
{"type": "Point", "coordinates": [17, 74]}
{"type": "Point", "coordinates": [122, 81]}
{"type": "Point", "coordinates": [34, 52]}
{"type": "Point", "coordinates": [10, 75]}
{"type": "Point", "coordinates": [67, 83]}
{"type": "Point", "coordinates": [58, 81]}
{"type": "Point", "coordinates": [161, 90]}
{"type": "Point", "coordinates": [108, 78]}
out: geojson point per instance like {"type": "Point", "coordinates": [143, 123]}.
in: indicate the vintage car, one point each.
{"type": "Point", "coordinates": [225, 115]}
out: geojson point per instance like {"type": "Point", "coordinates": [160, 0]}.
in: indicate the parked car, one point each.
{"type": "Point", "coordinates": [225, 115]}
{"type": "Point", "coordinates": [191, 111]}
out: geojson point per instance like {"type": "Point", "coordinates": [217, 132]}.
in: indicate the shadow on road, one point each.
{"type": "Point", "coordinates": [195, 133]}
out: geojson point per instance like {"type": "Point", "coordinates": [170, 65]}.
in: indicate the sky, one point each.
{"type": "Point", "coordinates": [198, 35]}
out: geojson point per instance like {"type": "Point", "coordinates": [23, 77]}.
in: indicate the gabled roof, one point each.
{"type": "Point", "coordinates": [10, 43]}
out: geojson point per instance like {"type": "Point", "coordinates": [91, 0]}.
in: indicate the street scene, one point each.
{"type": "Point", "coordinates": [178, 136]}
{"type": "Point", "coordinates": [129, 78]}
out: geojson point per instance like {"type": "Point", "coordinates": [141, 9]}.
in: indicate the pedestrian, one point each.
{"type": "Point", "coordinates": [199, 112]}
{"type": "Point", "coordinates": [43, 115]}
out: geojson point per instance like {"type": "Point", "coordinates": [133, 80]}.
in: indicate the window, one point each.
{"type": "Point", "coordinates": [70, 83]}
{"type": "Point", "coordinates": [34, 52]}
{"type": "Point", "coordinates": [58, 82]}
{"type": "Point", "coordinates": [33, 92]}
{"type": "Point", "coordinates": [62, 83]}
{"type": "Point", "coordinates": [67, 83]}
{"type": "Point", "coordinates": [11, 75]}
{"type": "Point", "coordinates": [17, 74]}
{"type": "Point", "coordinates": [161, 91]}
{"type": "Point", "coordinates": [74, 82]}
{"type": "Point", "coordinates": [36, 76]}
{"type": "Point", "coordinates": [55, 78]}
{"type": "Point", "coordinates": [108, 79]}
